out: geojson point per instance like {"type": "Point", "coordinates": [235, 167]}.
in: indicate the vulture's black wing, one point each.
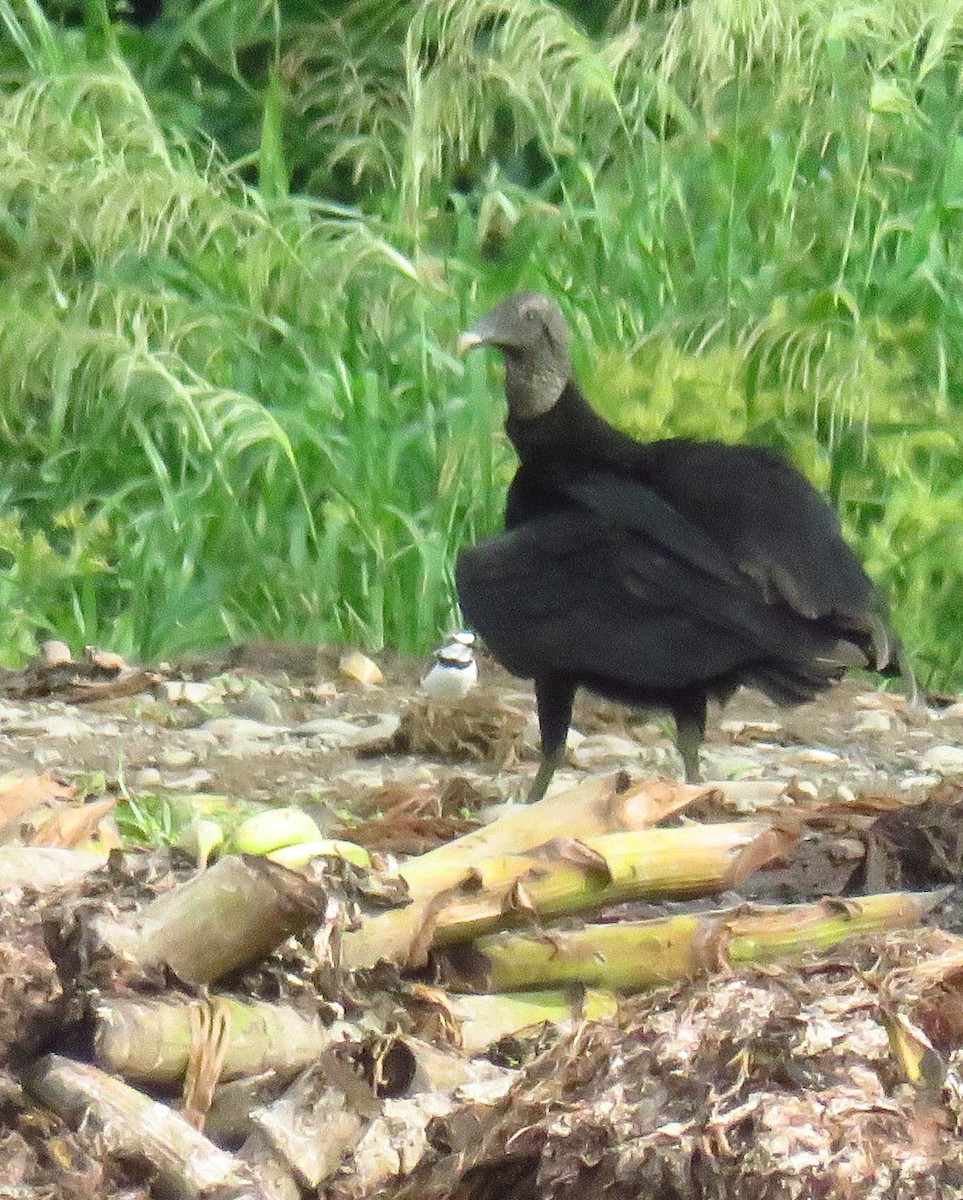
{"type": "Point", "coordinates": [579, 595]}
{"type": "Point", "coordinates": [638, 509]}
{"type": "Point", "coordinates": [741, 514]}
{"type": "Point", "coordinates": [768, 518]}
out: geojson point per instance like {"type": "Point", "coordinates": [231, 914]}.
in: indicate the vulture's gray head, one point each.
{"type": "Point", "coordinates": [530, 331]}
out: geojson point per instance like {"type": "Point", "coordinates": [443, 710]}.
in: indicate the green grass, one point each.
{"type": "Point", "coordinates": [237, 248]}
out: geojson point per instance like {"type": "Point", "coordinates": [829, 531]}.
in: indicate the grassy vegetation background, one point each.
{"type": "Point", "coordinates": [237, 243]}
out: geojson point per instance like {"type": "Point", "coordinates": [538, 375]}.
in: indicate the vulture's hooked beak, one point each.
{"type": "Point", "coordinates": [468, 341]}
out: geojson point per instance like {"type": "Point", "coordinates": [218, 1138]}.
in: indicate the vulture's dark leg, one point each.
{"type": "Point", "coordinates": [553, 697]}
{"type": "Point", "coordinates": [690, 729]}
{"type": "Point", "coordinates": [913, 702]}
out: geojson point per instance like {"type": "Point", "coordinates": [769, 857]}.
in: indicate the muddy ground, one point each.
{"type": "Point", "coordinates": [271, 724]}
{"type": "Point", "coordinates": [281, 725]}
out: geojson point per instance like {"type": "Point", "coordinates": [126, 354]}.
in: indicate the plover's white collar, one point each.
{"type": "Point", "coordinates": [455, 671]}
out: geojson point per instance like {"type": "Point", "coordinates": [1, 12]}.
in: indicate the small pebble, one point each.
{"type": "Point", "coordinates": [334, 733]}
{"type": "Point", "coordinates": [603, 748]}
{"type": "Point", "coordinates": [47, 756]}
{"type": "Point", "coordinates": [952, 711]}
{"type": "Point", "coordinates": [194, 781]}
{"type": "Point", "coordinates": [873, 721]}
{"type": "Point", "coordinates": [815, 755]}
{"type": "Point", "coordinates": [55, 654]}
{"type": "Point", "coordinates": [188, 691]}
{"type": "Point", "coordinates": [918, 781]}
{"type": "Point", "coordinates": [202, 740]}
{"type": "Point", "coordinates": [147, 777]}
{"type": "Point", "coordinates": [176, 756]}
{"type": "Point", "coordinates": [948, 759]}
{"type": "Point", "coordinates": [258, 706]}
{"type": "Point", "coordinates": [739, 727]}
{"type": "Point", "coordinates": [56, 725]}
{"type": "Point", "coordinates": [355, 665]}
{"type": "Point", "coordinates": [249, 748]}
{"type": "Point", "coordinates": [241, 729]}
{"type": "Point", "coordinates": [107, 660]}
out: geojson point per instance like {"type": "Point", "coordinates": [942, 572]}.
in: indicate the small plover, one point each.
{"type": "Point", "coordinates": [455, 671]}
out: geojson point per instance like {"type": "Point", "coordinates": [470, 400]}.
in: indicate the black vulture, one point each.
{"type": "Point", "coordinates": [656, 574]}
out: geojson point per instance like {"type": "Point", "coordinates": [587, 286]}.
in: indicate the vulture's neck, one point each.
{"type": "Point", "coordinates": [532, 388]}
{"type": "Point", "coordinates": [570, 430]}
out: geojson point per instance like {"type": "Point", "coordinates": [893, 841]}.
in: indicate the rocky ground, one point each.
{"type": "Point", "coordinates": [765, 1081]}
{"type": "Point", "coordinates": [272, 724]}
